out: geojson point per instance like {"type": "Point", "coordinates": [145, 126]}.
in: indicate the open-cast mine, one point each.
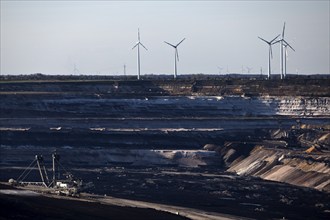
{"type": "Point", "coordinates": [193, 148]}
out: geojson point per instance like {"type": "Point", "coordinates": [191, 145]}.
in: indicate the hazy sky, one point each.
{"type": "Point", "coordinates": [51, 37]}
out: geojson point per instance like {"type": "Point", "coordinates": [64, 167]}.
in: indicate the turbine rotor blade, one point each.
{"type": "Point", "coordinates": [264, 40]}
{"type": "Point", "coordinates": [143, 45]}
{"type": "Point", "coordinates": [135, 45]}
{"type": "Point", "coordinates": [177, 54]}
{"type": "Point", "coordinates": [275, 38]}
{"type": "Point", "coordinates": [288, 44]}
{"type": "Point", "coordinates": [139, 34]}
{"type": "Point", "coordinates": [169, 44]}
{"type": "Point", "coordinates": [276, 42]}
{"type": "Point", "coordinates": [283, 30]}
{"type": "Point", "coordinates": [180, 42]}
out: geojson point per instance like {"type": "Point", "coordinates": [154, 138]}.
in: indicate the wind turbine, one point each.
{"type": "Point", "coordinates": [270, 52]}
{"type": "Point", "coordinates": [283, 44]}
{"type": "Point", "coordinates": [138, 43]}
{"type": "Point", "coordinates": [75, 70]}
{"type": "Point", "coordinates": [176, 55]}
{"type": "Point", "coordinates": [249, 69]}
{"type": "Point", "coordinates": [220, 68]}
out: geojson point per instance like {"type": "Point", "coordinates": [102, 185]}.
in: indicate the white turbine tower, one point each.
{"type": "Point", "coordinates": [281, 51]}
{"type": "Point", "coordinates": [176, 55]}
{"type": "Point", "coordinates": [138, 43]}
{"type": "Point", "coordinates": [270, 52]}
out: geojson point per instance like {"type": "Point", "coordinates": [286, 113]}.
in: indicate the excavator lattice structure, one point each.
{"type": "Point", "coordinates": [69, 186]}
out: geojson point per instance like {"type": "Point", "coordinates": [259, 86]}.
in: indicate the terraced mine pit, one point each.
{"type": "Point", "coordinates": [226, 148]}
